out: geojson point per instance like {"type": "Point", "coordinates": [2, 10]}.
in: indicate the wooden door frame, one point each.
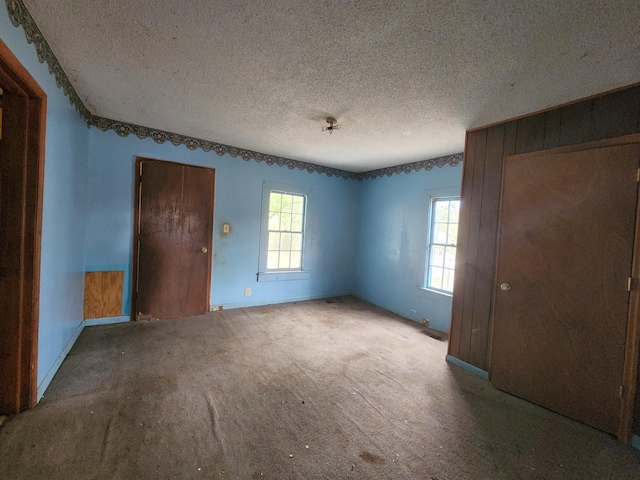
{"type": "Point", "coordinates": [630, 368]}
{"type": "Point", "coordinates": [15, 79]}
{"type": "Point", "coordinates": [136, 221]}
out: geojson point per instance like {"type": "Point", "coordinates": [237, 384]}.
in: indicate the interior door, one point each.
{"type": "Point", "coordinates": [13, 150]}
{"type": "Point", "coordinates": [564, 259]}
{"type": "Point", "coordinates": [175, 219]}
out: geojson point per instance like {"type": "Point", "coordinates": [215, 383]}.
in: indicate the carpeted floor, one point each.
{"type": "Point", "coordinates": [310, 390]}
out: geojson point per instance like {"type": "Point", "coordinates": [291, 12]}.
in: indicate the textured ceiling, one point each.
{"type": "Point", "coordinates": [405, 79]}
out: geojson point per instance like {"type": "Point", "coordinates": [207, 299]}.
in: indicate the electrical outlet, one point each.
{"type": "Point", "coordinates": [247, 292]}
{"type": "Point", "coordinates": [225, 228]}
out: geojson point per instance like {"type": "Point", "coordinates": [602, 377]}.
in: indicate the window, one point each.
{"type": "Point", "coordinates": [443, 234]}
{"type": "Point", "coordinates": [285, 230]}
{"type": "Point", "coordinates": [282, 239]}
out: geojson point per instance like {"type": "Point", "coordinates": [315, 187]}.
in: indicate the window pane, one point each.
{"type": "Point", "coordinates": [285, 222]}
{"type": "Point", "coordinates": [284, 260]}
{"type": "Point", "coordinates": [453, 233]}
{"type": "Point", "coordinates": [274, 221]}
{"type": "Point", "coordinates": [454, 211]}
{"type": "Point", "coordinates": [274, 241]}
{"type": "Point", "coordinates": [298, 204]}
{"type": "Point", "coordinates": [296, 241]}
{"type": "Point", "coordinates": [296, 259]}
{"type": "Point", "coordinates": [274, 202]}
{"type": "Point", "coordinates": [296, 223]}
{"type": "Point", "coordinates": [286, 203]}
{"type": "Point", "coordinates": [447, 282]}
{"type": "Point", "coordinates": [437, 255]}
{"type": "Point", "coordinates": [450, 258]}
{"type": "Point", "coordinates": [436, 277]}
{"type": "Point", "coordinates": [440, 233]}
{"type": "Point", "coordinates": [286, 214]}
{"type": "Point", "coordinates": [442, 210]}
{"type": "Point", "coordinates": [272, 260]}
{"type": "Point", "coordinates": [285, 241]}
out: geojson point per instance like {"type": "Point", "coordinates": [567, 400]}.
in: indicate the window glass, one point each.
{"type": "Point", "coordinates": [443, 234]}
{"type": "Point", "coordinates": [285, 230]}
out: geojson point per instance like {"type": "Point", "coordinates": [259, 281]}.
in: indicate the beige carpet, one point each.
{"type": "Point", "coordinates": [311, 390]}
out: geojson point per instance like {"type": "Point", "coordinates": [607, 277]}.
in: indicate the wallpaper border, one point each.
{"type": "Point", "coordinates": [20, 16]}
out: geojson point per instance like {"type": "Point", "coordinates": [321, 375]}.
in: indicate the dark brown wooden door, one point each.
{"type": "Point", "coordinates": [13, 150]}
{"type": "Point", "coordinates": [561, 301]}
{"type": "Point", "coordinates": [174, 240]}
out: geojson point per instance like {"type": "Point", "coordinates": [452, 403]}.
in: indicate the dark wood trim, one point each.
{"type": "Point", "coordinates": [15, 79]}
{"type": "Point", "coordinates": [631, 356]}
{"type": "Point", "coordinates": [555, 107]}
{"type": "Point", "coordinates": [608, 142]}
{"type": "Point", "coordinates": [136, 219]}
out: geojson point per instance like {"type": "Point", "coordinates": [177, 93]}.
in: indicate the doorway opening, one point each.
{"type": "Point", "coordinates": [22, 141]}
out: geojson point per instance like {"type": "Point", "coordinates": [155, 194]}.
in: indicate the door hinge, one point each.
{"type": "Point", "coordinates": [638, 176]}
{"type": "Point", "coordinates": [621, 390]}
{"type": "Point", "coordinates": [141, 170]}
{"type": "Point", "coordinates": [629, 280]}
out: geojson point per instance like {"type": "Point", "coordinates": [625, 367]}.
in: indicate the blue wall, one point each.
{"type": "Point", "coordinates": [391, 243]}
{"type": "Point", "coordinates": [238, 199]}
{"type": "Point", "coordinates": [366, 238]}
{"type": "Point", "coordinates": [63, 222]}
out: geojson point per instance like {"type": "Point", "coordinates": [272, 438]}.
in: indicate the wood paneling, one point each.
{"type": "Point", "coordinates": [575, 123]}
{"type": "Point", "coordinates": [606, 116]}
{"type": "Point", "coordinates": [486, 243]}
{"type": "Point", "coordinates": [463, 241]}
{"type": "Point", "coordinates": [103, 294]}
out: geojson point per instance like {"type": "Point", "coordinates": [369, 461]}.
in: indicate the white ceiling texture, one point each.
{"type": "Point", "coordinates": [405, 79]}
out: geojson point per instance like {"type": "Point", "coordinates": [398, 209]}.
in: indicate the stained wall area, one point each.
{"type": "Point", "coordinates": [607, 116]}
{"type": "Point", "coordinates": [391, 243]}
{"type": "Point", "coordinates": [330, 227]}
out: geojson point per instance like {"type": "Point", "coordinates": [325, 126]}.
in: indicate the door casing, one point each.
{"type": "Point", "coordinates": [20, 329]}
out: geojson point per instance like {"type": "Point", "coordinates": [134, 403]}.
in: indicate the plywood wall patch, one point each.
{"type": "Point", "coordinates": [103, 294]}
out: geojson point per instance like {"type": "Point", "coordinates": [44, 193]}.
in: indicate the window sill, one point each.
{"type": "Point", "coordinates": [279, 276]}
{"type": "Point", "coordinates": [435, 295]}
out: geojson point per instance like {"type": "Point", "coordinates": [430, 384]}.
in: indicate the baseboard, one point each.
{"type": "Point", "coordinates": [468, 367]}
{"type": "Point", "coordinates": [635, 441]}
{"type": "Point", "coordinates": [258, 303]}
{"type": "Point", "coordinates": [42, 388]}
{"type": "Point", "coordinates": [408, 316]}
{"type": "Point", "coordinates": [44, 384]}
{"type": "Point", "coordinates": [92, 322]}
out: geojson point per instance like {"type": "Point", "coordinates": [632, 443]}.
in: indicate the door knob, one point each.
{"type": "Point", "coordinates": [505, 286]}
{"type": "Point", "coordinates": [204, 250]}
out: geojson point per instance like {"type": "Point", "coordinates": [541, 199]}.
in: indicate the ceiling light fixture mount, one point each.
{"type": "Point", "coordinates": [333, 125]}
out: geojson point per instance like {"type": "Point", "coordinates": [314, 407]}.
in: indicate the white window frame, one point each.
{"type": "Point", "coordinates": [269, 275]}
{"type": "Point", "coordinates": [430, 242]}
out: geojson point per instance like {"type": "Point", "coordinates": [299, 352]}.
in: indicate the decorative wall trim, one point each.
{"type": "Point", "coordinates": [159, 136]}
{"type": "Point", "coordinates": [439, 162]}
{"type": "Point", "coordinates": [20, 16]}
